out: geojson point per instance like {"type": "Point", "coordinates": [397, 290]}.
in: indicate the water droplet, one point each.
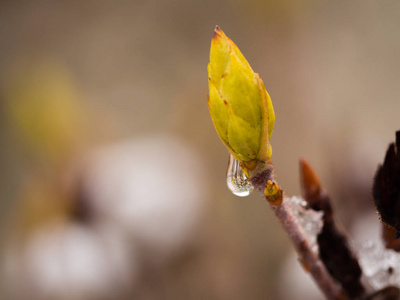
{"type": "Point", "coordinates": [236, 179]}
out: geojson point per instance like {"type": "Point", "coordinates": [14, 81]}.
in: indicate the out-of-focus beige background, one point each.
{"type": "Point", "coordinates": [112, 177]}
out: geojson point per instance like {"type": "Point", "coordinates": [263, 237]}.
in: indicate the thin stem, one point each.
{"type": "Point", "coordinates": [289, 215]}
{"type": "Point", "coordinates": [309, 259]}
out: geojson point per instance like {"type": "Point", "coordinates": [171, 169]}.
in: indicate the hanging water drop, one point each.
{"type": "Point", "coordinates": [236, 179]}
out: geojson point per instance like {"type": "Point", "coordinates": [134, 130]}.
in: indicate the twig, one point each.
{"type": "Point", "coordinates": [288, 216]}
{"type": "Point", "coordinates": [307, 256]}
{"type": "Point", "coordinates": [334, 249]}
{"type": "Point", "coordinates": [325, 254]}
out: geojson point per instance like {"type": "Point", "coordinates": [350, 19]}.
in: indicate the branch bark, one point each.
{"type": "Point", "coordinates": [307, 256]}
{"type": "Point", "coordinates": [341, 281]}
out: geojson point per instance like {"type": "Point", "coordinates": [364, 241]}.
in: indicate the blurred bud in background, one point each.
{"type": "Point", "coordinates": [137, 205]}
{"type": "Point", "coordinates": [44, 109]}
{"type": "Point", "coordinates": [90, 224]}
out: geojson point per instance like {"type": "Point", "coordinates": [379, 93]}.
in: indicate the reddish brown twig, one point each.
{"type": "Point", "coordinates": [290, 214]}
{"type": "Point", "coordinates": [324, 253]}
{"type": "Point", "coordinates": [334, 249]}
{"type": "Point", "coordinates": [307, 255]}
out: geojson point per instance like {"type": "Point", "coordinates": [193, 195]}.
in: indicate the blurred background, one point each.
{"type": "Point", "coordinates": [112, 176]}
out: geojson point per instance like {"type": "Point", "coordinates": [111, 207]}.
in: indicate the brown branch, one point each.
{"type": "Point", "coordinates": [291, 215]}
{"type": "Point", "coordinates": [322, 245]}
{"type": "Point", "coordinates": [334, 249]}
{"type": "Point", "coordinates": [307, 256]}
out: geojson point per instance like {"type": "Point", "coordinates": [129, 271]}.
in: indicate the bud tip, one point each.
{"type": "Point", "coordinates": [217, 31]}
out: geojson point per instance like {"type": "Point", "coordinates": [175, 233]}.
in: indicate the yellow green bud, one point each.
{"type": "Point", "coordinates": [239, 104]}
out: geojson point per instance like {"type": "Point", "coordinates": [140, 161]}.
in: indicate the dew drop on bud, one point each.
{"type": "Point", "coordinates": [236, 179]}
